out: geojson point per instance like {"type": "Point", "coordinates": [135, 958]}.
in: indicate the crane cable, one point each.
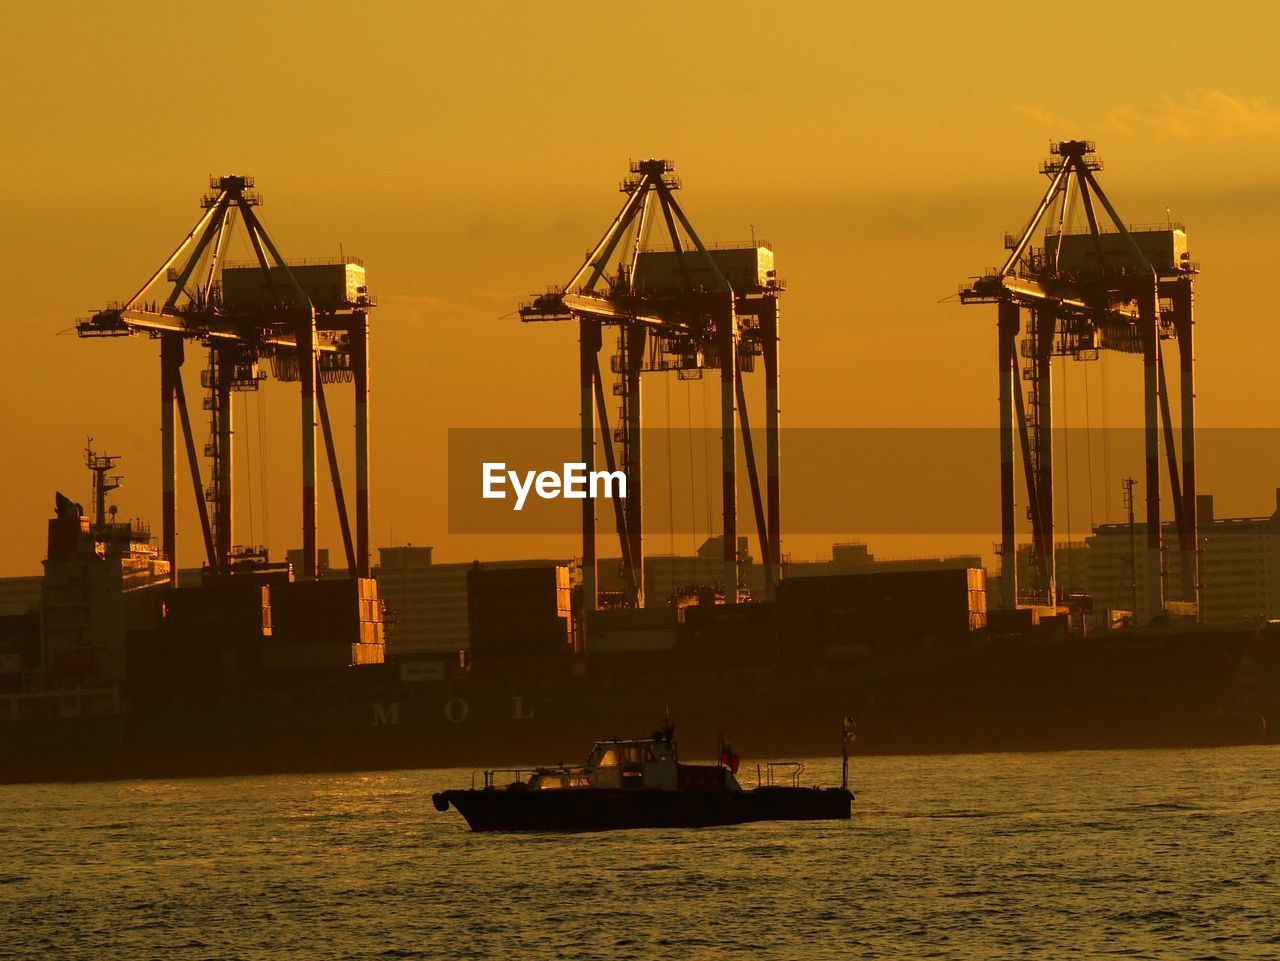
{"type": "Point", "coordinates": [1106, 444]}
{"type": "Point", "coordinates": [671, 500]}
{"type": "Point", "coordinates": [263, 461]}
{"type": "Point", "coordinates": [706, 455]}
{"type": "Point", "coordinates": [248, 467]}
{"type": "Point", "coordinates": [1066, 465]}
{"type": "Point", "coordinates": [693, 496]}
{"type": "Point", "coordinates": [1088, 446]}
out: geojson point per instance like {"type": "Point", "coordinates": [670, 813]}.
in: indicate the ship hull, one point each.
{"type": "Point", "coordinates": [1143, 691]}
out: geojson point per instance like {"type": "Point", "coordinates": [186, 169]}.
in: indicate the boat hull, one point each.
{"type": "Point", "coordinates": [611, 810]}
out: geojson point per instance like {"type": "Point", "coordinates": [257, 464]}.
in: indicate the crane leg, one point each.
{"type": "Point", "coordinates": [360, 363]}
{"type": "Point", "coordinates": [170, 370]}
{"type": "Point", "coordinates": [588, 347]}
{"type": "Point", "coordinates": [728, 449]}
{"type": "Point", "coordinates": [1008, 331]}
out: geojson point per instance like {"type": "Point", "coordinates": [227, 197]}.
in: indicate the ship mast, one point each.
{"type": "Point", "coordinates": [104, 482]}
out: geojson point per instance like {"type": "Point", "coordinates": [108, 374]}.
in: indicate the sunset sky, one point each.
{"type": "Point", "coordinates": [883, 149]}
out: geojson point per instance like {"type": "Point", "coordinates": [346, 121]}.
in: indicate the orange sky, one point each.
{"type": "Point", "coordinates": [470, 153]}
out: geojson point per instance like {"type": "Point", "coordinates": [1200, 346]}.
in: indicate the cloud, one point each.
{"type": "Point", "coordinates": [1200, 115]}
{"type": "Point", "coordinates": [1209, 114]}
{"type": "Point", "coordinates": [1039, 113]}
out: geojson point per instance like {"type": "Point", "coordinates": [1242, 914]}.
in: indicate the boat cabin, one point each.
{"type": "Point", "coordinates": [639, 763]}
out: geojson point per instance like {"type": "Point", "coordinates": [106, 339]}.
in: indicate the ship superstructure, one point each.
{"type": "Point", "coordinates": [116, 640]}
{"type": "Point", "coordinates": [102, 578]}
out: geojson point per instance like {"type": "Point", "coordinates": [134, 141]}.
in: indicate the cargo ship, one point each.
{"type": "Point", "coordinates": [257, 671]}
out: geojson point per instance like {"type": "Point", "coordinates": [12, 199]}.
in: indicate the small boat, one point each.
{"type": "Point", "coordinates": [640, 783]}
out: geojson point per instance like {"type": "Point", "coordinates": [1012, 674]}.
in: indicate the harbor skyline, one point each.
{"type": "Point", "coordinates": [463, 205]}
{"type": "Point", "coordinates": [652, 480]}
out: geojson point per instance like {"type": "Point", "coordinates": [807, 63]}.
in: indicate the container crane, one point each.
{"type": "Point", "coordinates": [309, 319]}
{"type": "Point", "coordinates": [1116, 287]}
{"type": "Point", "coordinates": [684, 306]}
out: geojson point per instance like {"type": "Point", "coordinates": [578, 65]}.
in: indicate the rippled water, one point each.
{"type": "Point", "coordinates": [1158, 854]}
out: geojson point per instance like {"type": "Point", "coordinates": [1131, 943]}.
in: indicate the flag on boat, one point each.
{"type": "Point", "coordinates": [729, 757]}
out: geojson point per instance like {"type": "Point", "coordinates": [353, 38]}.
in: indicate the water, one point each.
{"type": "Point", "coordinates": [1160, 854]}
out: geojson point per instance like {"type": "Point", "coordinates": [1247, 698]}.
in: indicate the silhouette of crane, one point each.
{"type": "Point", "coordinates": [682, 306]}
{"type": "Point", "coordinates": [1125, 289]}
{"type": "Point", "coordinates": [309, 319]}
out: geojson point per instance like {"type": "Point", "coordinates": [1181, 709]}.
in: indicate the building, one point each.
{"type": "Point", "coordinates": [1239, 566]}
{"type": "Point", "coordinates": [294, 557]}
{"type": "Point", "coordinates": [856, 558]}
{"type": "Point", "coordinates": [1071, 571]}
{"type": "Point", "coordinates": [19, 595]}
{"type": "Point", "coordinates": [410, 588]}
{"type": "Point", "coordinates": [665, 574]}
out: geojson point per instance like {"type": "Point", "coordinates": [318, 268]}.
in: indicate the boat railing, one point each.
{"type": "Point", "coordinates": [518, 775]}
{"type": "Point", "coordinates": [779, 773]}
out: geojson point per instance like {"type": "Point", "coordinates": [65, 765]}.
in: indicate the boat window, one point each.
{"type": "Point", "coordinates": [608, 757]}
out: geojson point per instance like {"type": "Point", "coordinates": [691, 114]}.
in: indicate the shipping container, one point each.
{"type": "Point", "coordinates": [306, 657]}
{"type": "Point", "coordinates": [158, 664]}
{"type": "Point", "coordinates": [222, 611]}
{"type": "Point", "coordinates": [1019, 620]}
{"type": "Point", "coordinates": [330, 611]}
{"type": "Point", "coordinates": [724, 635]}
{"type": "Point", "coordinates": [528, 667]}
{"type": "Point", "coordinates": [630, 640]}
{"type": "Point", "coordinates": [551, 642]}
{"type": "Point", "coordinates": [907, 606]}
{"type": "Point", "coordinates": [519, 611]}
{"type": "Point", "coordinates": [633, 630]}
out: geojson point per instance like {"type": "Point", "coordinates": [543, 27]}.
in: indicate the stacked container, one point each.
{"type": "Point", "coordinates": [324, 624]}
{"type": "Point", "coordinates": [209, 640]}
{"type": "Point", "coordinates": [894, 609]}
{"type": "Point", "coordinates": [519, 613]}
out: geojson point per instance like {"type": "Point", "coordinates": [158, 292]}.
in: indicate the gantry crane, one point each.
{"type": "Point", "coordinates": [309, 319]}
{"type": "Point", "coordinates": [1127, 289]}
{"type": "Point", "coordinates": [685, 307]}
